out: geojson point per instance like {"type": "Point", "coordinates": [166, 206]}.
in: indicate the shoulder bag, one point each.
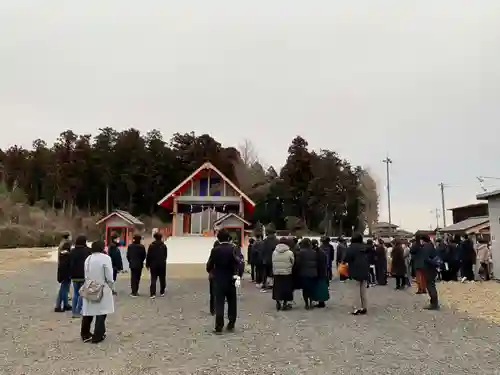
{"type": "Point", "coordinates": [91, 290]}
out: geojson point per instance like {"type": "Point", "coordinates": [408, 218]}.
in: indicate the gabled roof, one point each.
{"type": "Point", "coordinates": [167, 200]}
{"type": "Point", "coordinates": [383, 224]}
{"type": "Point", "coordinates": [489, 194]}
{"type": "Point", "coordinates": [227, 216]}
{"type": "Point", "coordinates": [473, 205]}
{"type": "Point", "coordinates": [466, 224]}
{"type": "Point", "coordinates": [124, 215]}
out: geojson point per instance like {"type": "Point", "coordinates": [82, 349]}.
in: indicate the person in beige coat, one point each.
{"type": "Point", "coordinates": [484, 258]}
{"type": "Point", "coordinates": [283, 260]}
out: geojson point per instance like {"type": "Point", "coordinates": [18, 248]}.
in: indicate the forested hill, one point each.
{"type": "Point", "coordinates": [316, 190]}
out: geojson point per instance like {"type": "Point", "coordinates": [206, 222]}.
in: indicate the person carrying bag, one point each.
{"type": "Point", "coordinates": [97, 293]}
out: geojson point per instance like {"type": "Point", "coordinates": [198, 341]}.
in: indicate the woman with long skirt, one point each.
{"type": "Point", "coordinates": [283, 261]}
{"type": "Point", "coordinates": [321, 291]}
{"type": "Point", "coordinates": [308, 270]}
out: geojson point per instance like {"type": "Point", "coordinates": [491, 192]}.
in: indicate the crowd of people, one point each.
{"type": "Point", "coordinates": [279, 265]}
{"type": "Point", "coordinates": [92, 272]}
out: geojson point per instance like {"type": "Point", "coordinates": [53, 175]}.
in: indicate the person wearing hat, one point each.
{"type": "Point", "coordinates": [224, 266]}
{"type": "Point", "coordinates": [136, 255]}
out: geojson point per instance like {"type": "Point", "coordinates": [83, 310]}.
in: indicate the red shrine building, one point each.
{"type": "Point", "coordinates": [208, 201]}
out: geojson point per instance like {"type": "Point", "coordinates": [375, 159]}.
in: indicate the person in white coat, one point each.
{"type": "Point", "coordinates": [98, 268]}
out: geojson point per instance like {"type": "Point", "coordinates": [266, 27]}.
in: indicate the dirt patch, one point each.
{"type": "Point", "coordinates": [478, 299]}
{"type": "Point", "coordinates": [13, 260]}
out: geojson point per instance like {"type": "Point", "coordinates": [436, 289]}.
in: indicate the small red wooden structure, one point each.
{"type": "Point", "coordinates": [122, 223]}
{"type": "Point", "coordinates": [235, 225]}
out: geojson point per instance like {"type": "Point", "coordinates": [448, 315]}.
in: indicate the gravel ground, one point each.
{"type": "Point", "coordinates": [477, 299]}
{"type": "Point", "coordinates": [172, 335]}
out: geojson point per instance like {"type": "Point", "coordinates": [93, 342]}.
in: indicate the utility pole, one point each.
{"type": "Point", "coordinates": [436, 212]}
{"type": "Point", "coordinates": [388, 161]}
{"type": "Point", "coordinates": [443, 208]}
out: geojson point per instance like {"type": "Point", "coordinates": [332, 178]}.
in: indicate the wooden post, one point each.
{"type": "Point", "coordinates": [174, 217]}
{"type": "Point", "coordinates": [208, 183]}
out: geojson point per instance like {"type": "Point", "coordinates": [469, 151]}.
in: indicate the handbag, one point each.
{"type": "Point", "coordinates": [343, 270]}
{"type": "Point", "coordinates": [91, 290]}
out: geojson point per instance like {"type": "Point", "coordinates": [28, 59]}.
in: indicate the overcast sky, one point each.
{"type": "Point", "coordinates": [417, 79]}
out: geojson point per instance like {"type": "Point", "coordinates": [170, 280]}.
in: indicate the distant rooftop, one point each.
{"type": "Point", "coordinates": [487, 195]}
{"type": "Point", "coordinates": [479, 204]}
{"type": "Point", "coordinates": [383, 224]}
{"type": "Point", "coordinates": [466, 224]}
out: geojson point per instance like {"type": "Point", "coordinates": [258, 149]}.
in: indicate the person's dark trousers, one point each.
{"type": "Point", "coordinates": [267, 273]}
{"type": "Point", "coordinates": [486, 270]}
{"type": "Point", "coordinates": [159, 273]}
{"type": "Point", "coordinates": [252, 271]}
{"type": "Point", "coordinates": [455, 266]}
{"type": "Point", "coordinates": [77, 301]}
{"type": "Point", "coordinates": [115, 274]}
{"type": "Point", "coordinates": [430, 280]}
{"type": "Point", "coordinates": [211, 286]}
{"type": "Point", "coordinates": [135, 279]}
{"type": "Point", "coordinates": [372, 275]}
{"type": "Point", "coordinates": [99, 328]}
{"type": "Point", "coordinates": [258, 273]}
{"type": "Point", "coordinates": [225, 291]}
{"type": "Point", "coordinates": [400, 282]}
{"type": "Point", "coordinates": [467, 270]}
{"type": "Point", "coordinates": [330, 273]}
{"type": "Point", "coordinates": [62, 301]}
{"type": "Point", "coordinates": [307, 298]}
{"type": "Point", "coordinates": [446, 275]}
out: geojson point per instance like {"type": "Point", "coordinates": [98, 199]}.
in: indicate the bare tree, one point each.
{"type": "Point", "coordinates": [248, 153]}
{"type": "Point", "coordinates": [371, 198]}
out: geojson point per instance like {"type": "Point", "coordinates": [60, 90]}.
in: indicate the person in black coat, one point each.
{"type": "Point", "coordinates": [250, 260]}
{"type": "Point", "coordinates": [430, 264]}
{"type": "Point", "coordinates": [467, 259]}
{"type": "Point", "coordinates": [321, 291]}
{"type": "Point", "coordinates": [358, 259]}
{"type": "Point", "coordinates": [341, 251]}
{"type": "Point", "coordinates": [63, 274]}
{"type": "Point", "coordinates": [328, 249]}
{"type": "Point", "coordinates": [398, 267]}
{"type": "Point", "coordinates": [136, 255]}
{"type": "Point", "coordinates": [372, 259]}
{"type": "Point", "coordinates": [447, 255]}
{"type": "Point", "coordinates": [223, 264]}
{"type": "Point", "coordinates": [156, 262]}
{"type": "Point", "coordinates": [268, 247]}
{"type": "Point", "coordinates": [211, 285]}
{"type": "Point", "coordinates": [77, 257]}
{"type": "Point", "coordinates": [381, 263]}
{"type": "Point", "coordinates": [257, 254]}
{"type": "Point", "coordinates": [115, 255]}
{"type": "Point", "coordinates": [307, 263]}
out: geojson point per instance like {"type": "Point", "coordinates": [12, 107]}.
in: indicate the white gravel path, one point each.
{"type": "Point", "coordinates": [172, 335]}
